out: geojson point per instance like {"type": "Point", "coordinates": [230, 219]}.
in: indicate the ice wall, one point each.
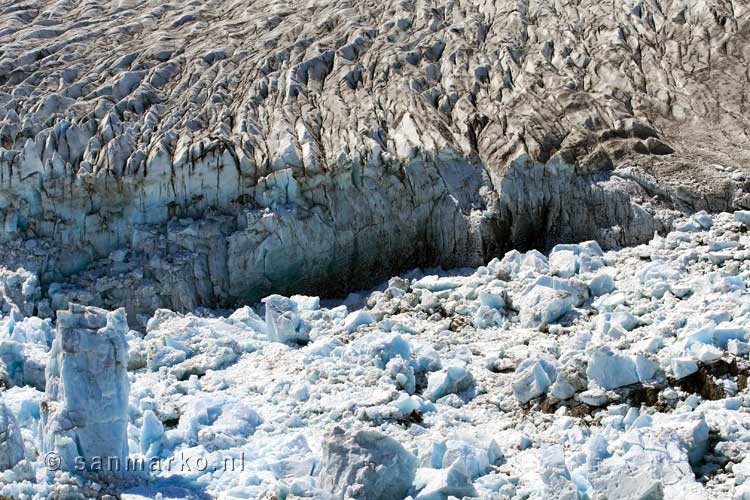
{"type": "Point", "coordinates": [197, 161]}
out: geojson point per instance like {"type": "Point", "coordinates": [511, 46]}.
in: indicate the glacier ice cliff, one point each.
{"type": "Point", "coordinates": [155, 154]}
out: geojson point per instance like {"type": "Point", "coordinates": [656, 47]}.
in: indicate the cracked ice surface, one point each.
{"type": "Point", "coordinates": [158, 154]}
{"type": "Point", "coordinates": [576, 374]}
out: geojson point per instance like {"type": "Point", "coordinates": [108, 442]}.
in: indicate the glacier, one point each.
{"type": "Point", "coordinates": [181, 156]}
{"type": "Point", "coordinates": [379, 250]}
{"type": "Point", "coordinates": [626, 395]}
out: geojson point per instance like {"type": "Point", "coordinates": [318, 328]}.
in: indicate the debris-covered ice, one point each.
{"type": "Point", "coordinates": [574, 374]}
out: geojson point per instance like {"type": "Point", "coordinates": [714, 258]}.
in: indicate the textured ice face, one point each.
{"type": "Point", "coordinates": [84, 416]}
{"type": "Point", "coordinates": [11, 443]}
{"type": "Point", "coordinates": [366, 465]}
{"type": "Point", "coordinates": [213, 154]}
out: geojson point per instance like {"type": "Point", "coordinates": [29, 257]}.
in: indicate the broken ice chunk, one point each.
{"type": "Point", "coordinates": [578, 290]}
{"type": "Point", "coordinates": [562, 389]}
{"type": "Point", "coordinates": [610, 370]}
{"type": "Point", "coordinates": [402, 373]}
{"type": "Point", "coordinates": [726, 331]}
{"type": "Point", "coordinates": [601, 284]}
{"type": "Point", "coordinates": [495, 482]}
{"type": "Point", "coordinates": [682, 367]}
{"type": "Point", "coordinates": [451, 380]}
{"type": "Point", "coordinates": [476, 459]}
{"type": "Point", "coordinates": [511, 263]}
{"type": "Point", "coordinates": [137, 358]}
{"type": "Point", "coordinates": [555, 474]}
{"type": "Point", "coordinates": [192, 345]}
{"type": "Point", "coordinates": [737, 347]}
{"type": "Point", "coordinates": [571, 379]}
{"type": "Point", "coordinates": [703, 219]}
{"type": "Point", "coordinates": [306, 303]}
{"type": "Point", "coordinates": [563, 263]}
{"type": "Point", "coordinates": [495, 298]}
{"type": "Point", "coordinates": [323, 347]}
{"type": "Point", "coordinates": [705, 353]}
{"type": "Point", "coordinates": [283, 321]}
{"type": "Point", "coordinates": [365, 465]}
{"type": "Point", "coordinates": [690, 430]}
{"type": "Point", "coordinates": [532, 378]}
{"type": "Point", "coordinates": [703, 335]}
{"type": "Point", "coordinates": [442, 484]}
{"type": "Point", "coordinates": [11, 442]}
{"type": "Point", "coordinates": [436, 284]}
{"type": "Point", "coordinates": [356, 319]}
{"type": "Point", "coordinates": [217, 423]}
{"type": "Point", "coordinates": [593, 397]}
{"type": "Point", "coordinates": [646, 368]}
{"type": "Point", "coordinates": [33, 331]}
{"type": "Point", "coordinates": [596, 449]}
{"type": "Point", "coordinates": [249, 318]}
{"type": "Point", "coordinates": [742, 471]}
{"type": "Point", "coordinates": [743, 217]}
{"type": "Point", "coordinates": [381, 347]}
{"type": "Point", "coordinates": [688, 226]}
{"type": "Point", "coordinates": [616, 324]}
{"type": "Point", "coordinates": [24, 363]}
{"type": "Point", "coordinates": [535, 261]}
{"type": "Point", "coordinates": [589, 247]}
{"type": "Point", "coordinates": [152, 431]}
{"type": "Point", "coordinates": [742, 492]}
{"type": "Point", "coordinates": [543, 305]}
{"type": "Point", "coordinates": [85, 409]}
{"type": "Point", "coordinates": [487, 317]}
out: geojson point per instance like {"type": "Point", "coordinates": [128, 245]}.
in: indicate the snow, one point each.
{"type": "Point", "coordinates": [623, 379]}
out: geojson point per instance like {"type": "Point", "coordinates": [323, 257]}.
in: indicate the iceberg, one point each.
{"type": "Point", "coordinates": [12, 448]}
{"type": "Point", "coordinates": [365, 465]}
{"type": "Point", "coordinates": [85, 409]}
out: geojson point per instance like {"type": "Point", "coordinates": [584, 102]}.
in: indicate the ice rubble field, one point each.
{"type": "Point", "coordinates": [580, 374]}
